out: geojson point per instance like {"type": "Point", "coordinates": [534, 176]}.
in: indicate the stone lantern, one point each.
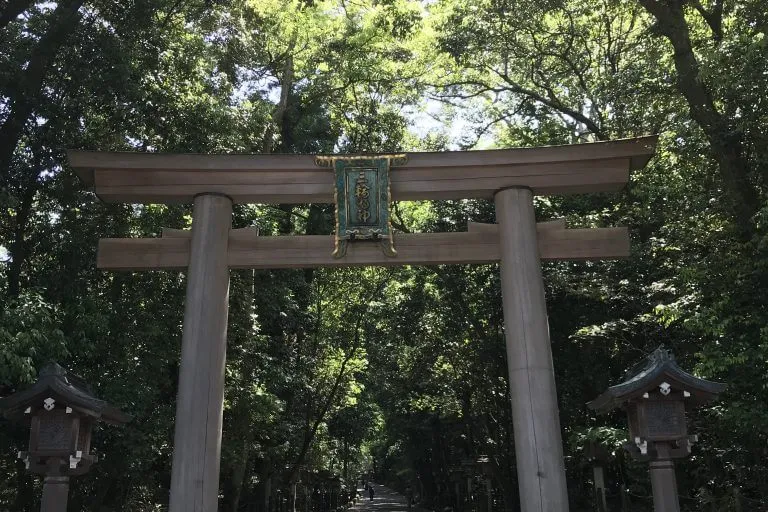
{"type": "Point", "coordinates": [456, 476]}
{"type": "Point", "coordinates": [598, 456]}
{"type": "Point", "coordinates": [485, 468]}
{"type": "Point", "coordinates": [656, 399]}
{"type": "Point", "coordinates": [62, 412]}
{"type": "Point", "coordinates": [468, 471]}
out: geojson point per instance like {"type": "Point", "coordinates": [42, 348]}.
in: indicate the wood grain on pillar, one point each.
{"type": "Point", "coordinates": [535, 417]}
{"type": "Point", "coordinates": [200, 402]}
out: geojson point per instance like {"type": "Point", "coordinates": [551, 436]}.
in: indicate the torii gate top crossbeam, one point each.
{"type": "Point", "coordinates": [177, 178]}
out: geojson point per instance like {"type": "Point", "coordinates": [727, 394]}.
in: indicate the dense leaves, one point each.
{"type": "Point", "coordinates": [397, 371]}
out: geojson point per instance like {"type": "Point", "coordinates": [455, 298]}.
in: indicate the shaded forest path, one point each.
{"type": "Point", "coordinates": [384, 500]}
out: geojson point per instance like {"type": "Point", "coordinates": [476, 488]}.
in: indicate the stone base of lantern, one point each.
{"type": "Point", "coordinates": [55, 493]}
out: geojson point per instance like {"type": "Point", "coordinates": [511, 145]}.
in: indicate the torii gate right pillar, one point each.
{"type": "Point", "coordinates": [535, 416]}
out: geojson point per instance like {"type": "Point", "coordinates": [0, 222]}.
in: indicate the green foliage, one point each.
{"type": "Point", "coordinates": [29, 338]}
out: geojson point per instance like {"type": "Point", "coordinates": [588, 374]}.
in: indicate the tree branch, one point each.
{"type": "Point", "coordinates": [23, 101]}
{"type": "Point", "coordinates": [12, 10]}
{"type": "Point", "coordinates": [325, 407]}
{"type": "Point", "coordinates": [554, 103]}
{"type": "Point", "coordinates": [726, 143]}
{"type": "Point", "coordinates": [400, 224]}
{"type": "Point", "coordinates": [714, 18]}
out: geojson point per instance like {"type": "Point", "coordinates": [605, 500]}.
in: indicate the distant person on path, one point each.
{"type": "Point", "coordinates": [370, 491]}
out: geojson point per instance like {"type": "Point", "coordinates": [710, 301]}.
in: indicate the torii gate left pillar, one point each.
{"type": "Point", "coordinates": [511, 177]}
{"type": "Point", "coordinates": [535, 413]}
{"type": "Point", "coordinates": [200, 401]}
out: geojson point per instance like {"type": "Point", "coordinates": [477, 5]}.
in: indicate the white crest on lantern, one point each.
{"type": "Point", "coordinates": [642, 444]}
{"type": "Point", "coordinates": [49, 403]}
{"type": "Point", "coordinates": [74, 461]}
{"type": "Point", "coordinates": [665, 388]}
{"type": "Point", "coordinates": [24, 456]}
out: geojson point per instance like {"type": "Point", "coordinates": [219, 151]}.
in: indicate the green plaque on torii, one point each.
{"type": "Point", "coordinates": [362, 197]}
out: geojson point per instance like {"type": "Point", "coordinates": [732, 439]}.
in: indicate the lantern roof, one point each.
{"type": "Point", "coordinates": [56, 382]}
{"type": "Point", "coordinates": [658, 368]}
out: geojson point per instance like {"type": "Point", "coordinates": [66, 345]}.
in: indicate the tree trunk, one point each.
{"type": "Point", "coordinates": [725, 141]}
{"type": "Point", "coordinates": [18, 248]}
{"type": "Point", "coordinates": [312, 432]}
{"type": "Point", "coordinates": [329, 399]}
{"type": "Point", "coordinates": [278, 116]}
{"type": "Point", "coordinates": [238, 477]}
{"type": "Point", "coordinates": [267, 493]}
{"type": "Point", "coordinates": [345, 472]}
{"type": "Point", "coordinates": [25, 97]}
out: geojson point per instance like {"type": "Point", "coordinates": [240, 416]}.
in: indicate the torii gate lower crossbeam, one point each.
{"type": "Point", "coordinates": [510, 177]}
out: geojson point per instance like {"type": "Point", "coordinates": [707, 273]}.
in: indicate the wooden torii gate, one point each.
{"type": "Point", "coordinates": [214, 182]}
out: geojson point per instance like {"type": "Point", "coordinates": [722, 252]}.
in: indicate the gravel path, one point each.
{"type": "Point", "coordinates": [384, 500]}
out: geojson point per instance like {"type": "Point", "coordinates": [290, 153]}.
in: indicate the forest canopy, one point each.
{"type": "Point", "coordinates": [397, 371]}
